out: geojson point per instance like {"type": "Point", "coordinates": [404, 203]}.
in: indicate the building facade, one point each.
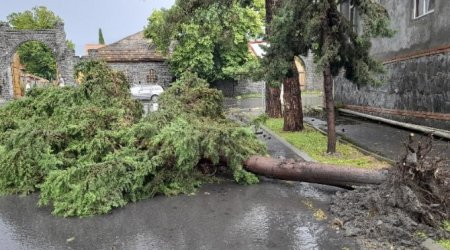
{"type": "Point", "coordinates": [137, 58]}
{"type": "Point", "coordinates": [416, 86]}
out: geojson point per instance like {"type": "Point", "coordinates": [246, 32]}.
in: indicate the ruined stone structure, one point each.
{"type": "Point", "coordinates": [137, 58]}
{"type": "Point", "coordinates": [313, 79]}
{"type": "Point", "coordinates": [11, 39]}
{"type": "Point", "coordinates": [416, 87]}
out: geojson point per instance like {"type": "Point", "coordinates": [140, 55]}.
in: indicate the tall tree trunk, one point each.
{"type": "Point", "coordinates": [271, 6]}
{"type": "Point", "coordinates": [273, 102]}
{"type": "Point", "coordinates": [329, 105]}
{"type": "Point", "coordinates": [293, 112]}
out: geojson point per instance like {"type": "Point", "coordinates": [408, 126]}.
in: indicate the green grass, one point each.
{"type": "Point", "coordinates": [314, 144]}
{"type": "Point", "coordinates": [445, 243]}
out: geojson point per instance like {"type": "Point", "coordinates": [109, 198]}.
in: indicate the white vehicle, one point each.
{"type": "Point", "coordinates": [146, 92]}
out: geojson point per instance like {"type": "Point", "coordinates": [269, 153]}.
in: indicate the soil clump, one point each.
{"type": "Point", "coordinates": [405, 210]}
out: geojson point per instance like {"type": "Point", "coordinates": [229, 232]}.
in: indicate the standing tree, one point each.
{"type": "Point", "coordinates": [279, 62]}
{"type": "Point", "coordinates": [337, 46]}
{"type": "Point", "coordinates": [101, 40]}
{"type": "Point", "coordinates": [207, 37]}
{"type": "Point", "coordinates": [273, 102]}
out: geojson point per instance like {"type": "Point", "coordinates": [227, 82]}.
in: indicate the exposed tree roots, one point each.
{"type": "Point", "coordinates": [411, 204]}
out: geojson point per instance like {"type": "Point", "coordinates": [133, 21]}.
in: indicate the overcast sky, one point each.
{"type": "Point", "coordinates": [83, 18]}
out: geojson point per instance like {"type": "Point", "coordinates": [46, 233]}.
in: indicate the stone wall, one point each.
{"type": "Point", "coordinates": [314, 79]}
{"type": "Point", "coordinates": [226, 86]}
{"type": "Point", "coordinates": [418, 84]}
{"type": "Point", "coordinates": [244, 87]}
{"type": "Point", "coordinates": [231, 88]}
{"type": "Point", "coordinates": [137, 71]}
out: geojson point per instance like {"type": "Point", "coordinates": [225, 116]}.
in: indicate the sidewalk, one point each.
{"type": "Point", "coordinates": [384, 140]}
{"type": "Point", "coordinates": [379, 138]}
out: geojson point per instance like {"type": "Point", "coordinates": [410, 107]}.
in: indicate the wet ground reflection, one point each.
{"type": "Point", "coordinates": [271, 215]}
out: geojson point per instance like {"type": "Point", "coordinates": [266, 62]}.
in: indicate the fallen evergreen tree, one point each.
{"type": "Point", "coordinates": [88, 149]}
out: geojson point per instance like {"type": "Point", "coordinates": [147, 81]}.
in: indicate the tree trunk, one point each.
{"type": "Point", "coordinates": [313, 172]}
{"type": "Point", "coordinates": [273, 102]}
{"type": "Point", "coordinates": [271, 6]}
{"type": "Point", "coordinates": [329, 105]}
{"type": "Point", "coordinates": [293, 112]}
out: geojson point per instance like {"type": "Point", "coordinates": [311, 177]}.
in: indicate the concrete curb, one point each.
{"type": "Point", "coordinates": [298, 152]}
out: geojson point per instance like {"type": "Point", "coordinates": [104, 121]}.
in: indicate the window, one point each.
{"type": "Point", "coordinates": [152, 77]}
{"type": "Point", "coordinates": [423, 7]}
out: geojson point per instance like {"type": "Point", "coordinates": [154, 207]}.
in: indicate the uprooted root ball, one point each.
{"type": "Point", "coordinates": [413, 202]}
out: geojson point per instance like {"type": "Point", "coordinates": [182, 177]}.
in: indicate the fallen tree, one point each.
{"type": "Point", "coordinates": [313, 172]}
{"type": "Point", "coordinates": [88, 150]}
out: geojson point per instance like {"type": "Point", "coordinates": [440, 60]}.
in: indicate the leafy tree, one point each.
{"type": "Point", "coordinates": [37, 58]}
{"type": "Point", "coordinates": [38, 18]}
{"type": "Point", "coordinates": [207, 37]}
{"type": "Point", "coordinates": [321, 28]}
{"type": "Point", "coordinates": [70, 45]}
{"type": "Point", "coordinates": [279, 62]}
{"type": "Point", "coordinates": [101, 40]}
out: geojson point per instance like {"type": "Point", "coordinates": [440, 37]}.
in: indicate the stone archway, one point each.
{"type": "Point", "coordinates": [300, 64]}
{"type": "Point", "coordinates": [11, 39]}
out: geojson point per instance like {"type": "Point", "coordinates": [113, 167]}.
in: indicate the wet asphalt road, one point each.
{"type": "Point", "coordinates": [271, 215]}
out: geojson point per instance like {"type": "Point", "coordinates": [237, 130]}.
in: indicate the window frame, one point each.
{"type": "Point", "coordinates": [152, 77]}
{"type": "Point", "coordinates": [423, 12]}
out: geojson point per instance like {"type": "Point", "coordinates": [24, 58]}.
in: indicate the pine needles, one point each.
{"type": "Point", "coordinates": [87, 149]}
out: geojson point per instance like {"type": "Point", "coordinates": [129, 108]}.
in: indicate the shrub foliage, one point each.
{"type": "Point", "coordinates": [88, 150]}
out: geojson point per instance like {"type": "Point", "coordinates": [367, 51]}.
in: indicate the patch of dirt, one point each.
{"type": "Point", "coordinates": [403, 211]}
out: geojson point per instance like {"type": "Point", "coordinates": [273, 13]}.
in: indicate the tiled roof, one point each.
{"type": "Point", "coordinates": [134, 48]}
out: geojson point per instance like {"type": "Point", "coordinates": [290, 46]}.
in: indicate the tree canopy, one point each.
{"type": "Point", "coordinates": [101, 39]}
{"type": "Point", "coordinates": [303, 26]}
{"type": "Point", "coordinates": [319, 27]}
{"type": "Point", "coordinates": [207, 37]}
{"type": "Point", "coordinates": [38, 18]}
